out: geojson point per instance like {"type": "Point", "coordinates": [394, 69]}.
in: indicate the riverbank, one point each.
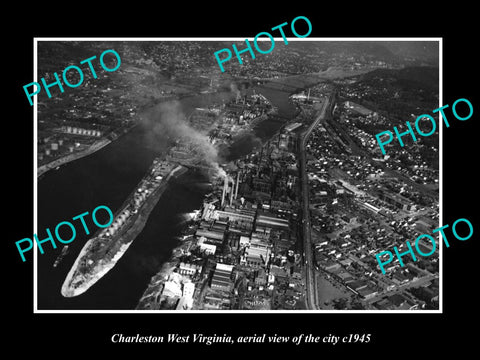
{"type": "Point", "coordinates": [135, 226]}
{"type": "Point", "coordinates": [282, 111]}
{"type": "Point", "coordinates": [96, 146]}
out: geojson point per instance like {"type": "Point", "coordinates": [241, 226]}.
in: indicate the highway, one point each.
{"type": "Point", "coordinates": [311, 297]}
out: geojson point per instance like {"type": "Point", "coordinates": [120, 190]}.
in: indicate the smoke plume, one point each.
{"type": "Point", "coordinates": [168, 120]}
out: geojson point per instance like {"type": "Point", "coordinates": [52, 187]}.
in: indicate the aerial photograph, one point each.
{"type": "Point", "coordinates": [258, 188]}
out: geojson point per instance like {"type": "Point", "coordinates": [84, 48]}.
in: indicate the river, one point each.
{"type": "Point", "coordinates": [106, 178]}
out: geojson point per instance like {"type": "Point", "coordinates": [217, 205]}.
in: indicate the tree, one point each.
{"type": "Point", "coordinates": [340, 304]}
{"type": "Point", "coordinates": [357, 305]}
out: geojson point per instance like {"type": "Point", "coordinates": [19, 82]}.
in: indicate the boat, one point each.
{"type": "Point", "coordinates": [100, 253]}
{"type": "Point", "coordinates": [184, 237]}
{"type": "Point", "coordinates": [61, 256]}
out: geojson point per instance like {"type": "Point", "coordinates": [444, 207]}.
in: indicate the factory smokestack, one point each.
{"type": "Point", "coordinates": [225, 182]}
{"type": "Point", "coordinates": [236, 187]}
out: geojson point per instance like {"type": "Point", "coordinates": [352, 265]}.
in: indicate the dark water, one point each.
{"type": "Point", "coordinates": [263, 131]}
{"type": "Point", "coordinates": [106, 178]}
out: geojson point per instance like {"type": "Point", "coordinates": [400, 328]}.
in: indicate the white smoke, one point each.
{"type": "Point", "coordinates": [168, 119]}
{"type": "Point", "coordinates": [234, 88]}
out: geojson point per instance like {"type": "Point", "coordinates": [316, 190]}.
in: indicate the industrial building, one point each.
{"type": "Point", "coordinates": [233, 215]}
{"type": "Point", "coordinates": [270, 220]}
{"type": "Point", "coordinates": [207, 249]}
{"type": "Point", "coordinates": [213, 235]}
{"type": "Point", "coordinates": [80, 131]}
{"type": "Point", "coordinates": [222, 277]}
{"type": "Point", "coordinates": [189, 269]}
{"type": "Point", "coordinates": [395, 199]}
{"type": "Point", "coordinates": [257, 253]}
{"type": "Point", "coordinates": [293, 126]}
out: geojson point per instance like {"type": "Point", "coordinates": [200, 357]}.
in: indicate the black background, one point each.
{"type": "Point", "coordinates": [61, 335]}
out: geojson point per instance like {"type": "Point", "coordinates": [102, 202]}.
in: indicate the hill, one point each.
{"type": "Point", "coordinates": [417, 77]}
